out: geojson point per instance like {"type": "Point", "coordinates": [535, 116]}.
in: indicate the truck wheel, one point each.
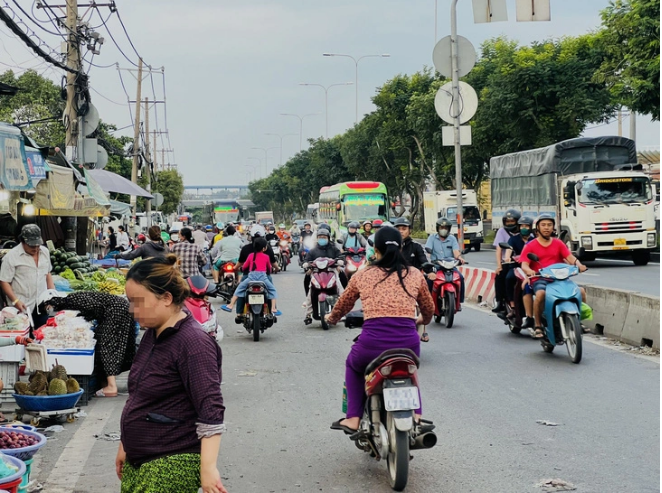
{"type": "Point", "coordinates": [641, 257]}
{"type": "Point", "coordinates": [568, 242]}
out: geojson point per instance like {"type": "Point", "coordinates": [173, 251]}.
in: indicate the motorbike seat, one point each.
{"type": "Point", "coordinates": [392, 353]}
{"type": "Point", "coordinates": [256, 283]}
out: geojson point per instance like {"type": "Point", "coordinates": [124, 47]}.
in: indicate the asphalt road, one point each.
{"type": "Point", "coordinates": [482, 386]}
{"type": "Point", "coordinates": [606, 272]}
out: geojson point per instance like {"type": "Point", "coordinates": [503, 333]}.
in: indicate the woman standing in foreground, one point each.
{"type": "Point", "coordinates": [173, 420]}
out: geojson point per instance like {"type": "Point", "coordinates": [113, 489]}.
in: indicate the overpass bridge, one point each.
{"type": "Point", "coordinates": [215, 188]}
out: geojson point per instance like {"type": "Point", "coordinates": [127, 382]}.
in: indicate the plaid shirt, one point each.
{"type": "Point", "coordinates": [191, 258]}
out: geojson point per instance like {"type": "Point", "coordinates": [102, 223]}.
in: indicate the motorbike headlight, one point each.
{"type": "Point", "coordinates": [315, 282]}
{"type": "Point", "coordinates": [587, 242]}
{"type": "Point", "coordinates": [448, 264]}
{"type": "Point", "coordinates": [351, 268]}
{"type": "Point", "coordinates": [561, 274]}
{"type": "Point", "coordinates": [332, 281]}
{"type": "Point", "coordinates": [651, 240]}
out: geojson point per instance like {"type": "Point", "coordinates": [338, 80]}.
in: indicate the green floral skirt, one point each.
{"type": "Point", "coordinates": [173, 474]}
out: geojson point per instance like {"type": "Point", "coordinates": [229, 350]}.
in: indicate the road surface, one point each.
{"type": "Point", "coordinates": [483, 387]}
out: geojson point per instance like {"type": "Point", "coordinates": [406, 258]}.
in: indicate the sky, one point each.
{"type": "Point", "coordinates": [233, 67]}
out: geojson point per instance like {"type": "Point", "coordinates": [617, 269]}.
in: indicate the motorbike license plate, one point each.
{"type": "Point", "coordinates": [255, 299]}
{"type": "Point", "coordinates": [620, 243]}
{"type": "Point", "coordinates": [401, 398]}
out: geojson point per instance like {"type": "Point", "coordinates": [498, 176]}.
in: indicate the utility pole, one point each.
{"type": "Point", "coordinates": [633, 125]}
{"type": "Point", "coordinates": [136, 134]}
{"type": "Point", "coordinates": [456, 124]}
{"type": "Point", "coordinates": [155, 152]}
{"type": "Point", "coordinates": [148, 158]}
{"type": "Point", "coordinates": [620, 123]}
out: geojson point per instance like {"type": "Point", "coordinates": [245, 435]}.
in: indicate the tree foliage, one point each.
{"type": "Point", "coordinates": [631, 40]}
{"type": "Point", "coordinates": [170, 184]}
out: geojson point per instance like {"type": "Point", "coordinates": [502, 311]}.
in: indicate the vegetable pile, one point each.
{"type": "Point", "coordinates": [70, 264]}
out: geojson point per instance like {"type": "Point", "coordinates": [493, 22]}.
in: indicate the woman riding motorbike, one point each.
{"type": "Point", "coordinates": [389, 290]}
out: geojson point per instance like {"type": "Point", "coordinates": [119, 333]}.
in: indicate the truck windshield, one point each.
{"type": "Point", "coordinates": [361, 206]}
{"type": "Point", "coordinates": [616, 190]}
{"type": "Point", "coordinates": [471, 215]}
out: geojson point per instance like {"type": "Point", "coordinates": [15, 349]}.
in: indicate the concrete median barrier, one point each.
{"type": "Point", "coordinates": [642, 325]}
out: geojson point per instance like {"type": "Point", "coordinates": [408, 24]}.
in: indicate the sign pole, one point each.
{"type": "Point", "coordinates": [456, 122]}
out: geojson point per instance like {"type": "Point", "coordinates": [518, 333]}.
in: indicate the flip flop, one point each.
{"type": "Point", "coordinates": [425, 337]}
{"type": "Point", "coordinates": [278, 313]}
{"type": "Point", "coordinates": [337, 426]}
{"type": "Point", "coordinates": [539, 333]}
{"type": "Point", "coordinates": [101, 393]}
{"type": "Point", "coordinates": [226, 308]}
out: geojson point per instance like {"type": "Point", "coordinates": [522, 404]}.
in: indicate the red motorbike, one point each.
{"type": "Point", "coordinates": [446, 290]}
{"type": "Point", "coordinates": [387, 429]}
{"type": "Point", "coordinates": [200, 307]}
{"type": "Point", "coordinates": [355, 260]}
{"type": "Point", "coordinates": [229, 279]}
{"type": "Point", "coordinates": [285, 255]}
{"type": "Point", "coordinates": [323, 287]}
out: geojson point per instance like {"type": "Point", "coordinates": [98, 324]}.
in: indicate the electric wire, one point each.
{"type": "Point", "coordinates": [105, 25]}
{"type": "Point", "coordinates": [38, 24]}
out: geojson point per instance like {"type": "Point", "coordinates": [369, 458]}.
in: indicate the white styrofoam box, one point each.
{"type": "Point", "coordinates": [76, 361]}
{"type": "Point", "coordinates": [14, 352]}
{"type": "Point", "coordinates": [9, 375]}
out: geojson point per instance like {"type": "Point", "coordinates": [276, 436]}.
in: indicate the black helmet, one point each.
{"type": "Point", "coordinates": [402, 221]}
{"type": "Point", "coordinates": [323, 232]}
{"type": "Point", "coordinates": [513, 215]}
{"type": "Point", "coordinates": [324, 226]}
{"type": "Point", "coordinates": [354, 224]}
{"type": "Point", "coordinates": [444, 221]}
{"type": "Point", "coordinates": [525, 220]}
{"type": "Point", "coordinates": [546, 216]}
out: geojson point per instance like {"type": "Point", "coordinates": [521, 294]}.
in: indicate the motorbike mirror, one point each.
{"type": "Point", "coordinates": [505, 245]}
{"type": "Point", "coordinates": [428, 249]}
{"type": "Point", "coordinates": [533, 257]}
{"type": "Point", "coordinates": [339, 241]}
{"type": "Point", "coordinates": [371, 243]}
{"type": "Point", "coordinates": [465, 251]}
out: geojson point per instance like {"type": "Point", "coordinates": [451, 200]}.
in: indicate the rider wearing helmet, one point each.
{"type": "Point", "coordinates": [412, 251]}
{"type": "Point", "coordinates": [517, 243]}
{"type": "Point", "coordinates": [550, 251]}
{"type": "Point", "coordinates": [367, 229]}
{"type": "Point", "coordinates": [352, 239]}
{"type": "Point", "coordinates": [442, 245]}
{"type": "Point", "coordinates": [271, 233]}
{"type": "Point", "coordinates": [307, 232]}
{"type": "Point", "coordinates": [508, 230]}
{"type": "Point", "coordinates": [282, 233]}
{"type": "Point", "coordinates": [226, 250]}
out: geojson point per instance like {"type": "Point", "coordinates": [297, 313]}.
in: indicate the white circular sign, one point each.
{"type": "Point", "coordinates": [157, 200]}
{"type": "Point", "coordinates": [443, 102]}
{"type": "Point", "coordinates": [442, 56]}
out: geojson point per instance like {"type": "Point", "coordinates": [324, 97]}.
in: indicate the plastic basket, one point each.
{"type": "Point", "coordinates": [47, 402]}
{"type": "Point", "coordinates": [24, 453]}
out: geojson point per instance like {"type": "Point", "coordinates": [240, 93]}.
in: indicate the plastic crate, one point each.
{"type": "Point", "coordinates": [88, 384]}
{"type": "Point", "coordinates": [9, 375]}
{"type": "Point", "coordinates": [15, 352]}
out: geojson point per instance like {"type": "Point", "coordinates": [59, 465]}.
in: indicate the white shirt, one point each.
{"type": "Point", "coordinates": [199, 237]}
{"type": "Point", "coordinates": [26, 278]}
{"type": "Point", "coordinates": [123, 239]}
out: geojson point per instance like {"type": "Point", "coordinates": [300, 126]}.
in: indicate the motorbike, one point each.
{"type": "Point", "coordinates": [387, 429]}
{"type": "Point", "coordinates": [562, 311]}
{"type": "Point", "coordinates": [445, 289]}
{"type": "Point", "coordinates": [295, 244]}
{"type": "Point", "coordinates": [514, 315]}
{"type": "Point", "coordinates": [285, 254]}
{"type": "Point", "coordinates": [307, 246]}
{"type": "Point", "coordinates": [200, 307]}
{"type": "Point", "coordinates": [275, 246]}
{"type": "Point", "coordinates": [323, 288]}
{"type": "Point", "coordinates": [206, 269]}
{"type": "Point", "coordinates": [355, 260]}
{"type": "Point", "coordinates": [229, 278]}
{"type": "Point", "coordinates": [256, 309]}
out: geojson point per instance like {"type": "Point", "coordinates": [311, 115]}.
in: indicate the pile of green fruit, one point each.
{"type": "Point", "coordinates": [54, 382]}
{"type": "Point", "coordinates": [102, 281]}
{"type": "Point", "coordinates": [63, 262]}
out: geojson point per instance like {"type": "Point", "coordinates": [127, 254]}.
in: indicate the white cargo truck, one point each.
{"type": "Point", "coordinates": [444, 204]}
{"type": "Point", "coordinates": [602, 201]}
{"type": "Point", "coordinates": [264, 217]}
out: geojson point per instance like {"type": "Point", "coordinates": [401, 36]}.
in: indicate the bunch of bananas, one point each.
{"type": "Point", "coordinates": [111, 287]}
{"type": "Point", "coordinates": [99, 276]}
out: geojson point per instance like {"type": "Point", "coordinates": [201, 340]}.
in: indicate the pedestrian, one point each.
{"type": "Point", "coordinates": [155, 247]}
{"type": "Point", "coordinates": [115, 331]}
{"type": "Point", "coordinates": [172, 422]}
{"type": "Point", "coordinates": [199, 236]}
{"type": "Point", "coordinates": [190, 255]}
{"type": "Point", "coordinates": [123, 242]}
{"type": "Point", "coordinates": [26, 274]}
{"type": "Point", "coordinates": [112, 240]}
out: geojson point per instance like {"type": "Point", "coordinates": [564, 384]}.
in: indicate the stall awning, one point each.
{"type": "Point", "coordinates": [111, 182]}
{"type": "Point", "coordinates": [119, 208]}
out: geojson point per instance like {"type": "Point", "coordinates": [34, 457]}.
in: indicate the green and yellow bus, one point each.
{"type": "Point", "coordinates": [359, 201]}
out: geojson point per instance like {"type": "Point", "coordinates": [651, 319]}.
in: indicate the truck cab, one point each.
{"type": "Point", "coordinates": [444, 204]}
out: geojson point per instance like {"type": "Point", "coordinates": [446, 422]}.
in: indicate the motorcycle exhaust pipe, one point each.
{"type": "Point", "coordinates": [426, 440]}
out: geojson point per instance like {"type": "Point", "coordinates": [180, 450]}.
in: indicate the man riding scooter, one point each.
{"type": "Point", "coordinates": [352, 239]}
{"type": "Point", "coordinates": [550, 251]}
{"type": "Point", "coordinates": [517, 244]}
{"type": "Point", "coordinates": [444, 245]}
{"type": "Point", "coordinates": [509, 229]}
{"type": "Point", "coordinates": [306, 233]}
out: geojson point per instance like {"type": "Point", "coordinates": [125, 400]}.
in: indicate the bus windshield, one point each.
{"type": "Point", "coordinates": [615, 190]}
{"type": "Point", "coordinates": [362, 206]}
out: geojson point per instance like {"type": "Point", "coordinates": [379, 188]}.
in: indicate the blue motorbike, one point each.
{"type": "Point", "coordinates": [561, 316]}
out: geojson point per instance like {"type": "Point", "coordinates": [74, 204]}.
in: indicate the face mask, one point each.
{"type": "Point", "coordinates": [511, 228]}
{"type": "Point", "coordinates": [525, 232]}
{"type": "Point", "coordinates": [352, 233]}
{"type": "Point", "coordinates": [323, 242]}
{"type": "Point", "coordinates": [443, 233]}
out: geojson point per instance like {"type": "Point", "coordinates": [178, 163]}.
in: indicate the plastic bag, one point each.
{"type": "Point", "coordinates": [586, 312]}
{"type": "Point", "coordinates": [6, 469]}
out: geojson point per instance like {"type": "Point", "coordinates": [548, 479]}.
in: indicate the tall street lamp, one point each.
{"type": "Point", "coordinates": [281, 144]}
{"type": "Point", "coordinates": [266, 150]}
{"type": "Point", "coordinates": [300, 117]}
{"type": "Point", "coordinates": [326, 99]}
{"type": "Point", "coordinates": [256, 167]}
{"type": "Point", "coordinates": [356, 63]}
{"type": "Point", "coordinates": [253, 170]}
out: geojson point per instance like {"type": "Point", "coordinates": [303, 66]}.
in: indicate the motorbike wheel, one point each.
{"type": "Point", "coordinates": [284, 264]}
{"type": "Point", "coordinates": [437, 319]}
{"type": "Point", "coordinates": [256, 327]}
{"type": "Point", "coordinates": [514, 330]}
{"type": "Point", "coordinates": [398, 457]}
{"type": "Point", "coordinates": [322, 313]}
{"type": "Point", "coordinates": [574, 331]}
{"type": "Point", "coordinates": [449, 314]}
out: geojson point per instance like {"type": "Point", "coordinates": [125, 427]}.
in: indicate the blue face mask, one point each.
{"type": "Point", "coordinates": [323, 242]}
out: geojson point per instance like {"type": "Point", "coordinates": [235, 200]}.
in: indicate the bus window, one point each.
{"type": "Point", "coordinates": [359, 207]}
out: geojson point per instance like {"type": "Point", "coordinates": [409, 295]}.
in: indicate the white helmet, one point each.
{"type": "Point", "coordinates": [257, 230]}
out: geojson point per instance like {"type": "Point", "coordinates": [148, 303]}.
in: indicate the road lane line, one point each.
{"type": "Point", "coordinates": [72, 460]}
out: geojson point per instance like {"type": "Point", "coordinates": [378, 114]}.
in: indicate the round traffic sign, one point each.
{"type": "Point", "coordinates": [157, 201]}
{"type": "Point", "coordinates": [442, 56]}
{"type": "Point", "coordinates": [443, 102]}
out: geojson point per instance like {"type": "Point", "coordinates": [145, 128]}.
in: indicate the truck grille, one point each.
{"type": "Point", "coordinates": [628, 243]}
{"type": "Point", "coordinates": [618, 227]}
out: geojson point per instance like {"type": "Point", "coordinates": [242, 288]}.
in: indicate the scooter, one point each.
{"type": "Point", "coordinates": [323, 288]}
{"type": "Point", "coordinates": [562, 312]}
{"type": "Point", "coordinates": [387, 429]}
{"type": "Point", "coordinates": [277, 253]}
{"type": "Point", "coordinates": [514, 315]}
{"type": "Point", "coordinates": [229, 279]}
{"type": "Point", "coordinates": [200, 307]}
{"type": "Point", "coordinates": [256, 310]}
{"type": "Point", "coordinates": [295, 244]}
{"type": "Point", "coordinates": [307, 246]}
{"type": "Point", "coordinates": [355, 260]}
{"type": "Point", "coordinates": [445, 289]}
{"type": "Point", "coordinates": [284, 254]}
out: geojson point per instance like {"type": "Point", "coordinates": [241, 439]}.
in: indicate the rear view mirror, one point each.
{"type": "Point", "coordinates": [371, 243]}
{"type": "Point", "coordinates": [505, 245]}
{"type": "Point", "coordinates": [579, 185]}
{"type": "Point", "coordinates": [428, 249]}
{"type": "Point", "coordinates": [339, 241]}
{"type": "Point", "coordinates": [465, 251]}
{"type": "Point", "coordinates": [533, 257]}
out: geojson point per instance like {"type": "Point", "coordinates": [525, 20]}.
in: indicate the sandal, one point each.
{"type": "Point", "coordinates": [226, 308]}
{"type": "Point", "coordinates": [337, 426]}
{"type": "Point", "coordinates": [101, 393]}
{"type": "Point", "coordinates": [425, 337]}
{"type": "Point", "coordinates": [539, 333]}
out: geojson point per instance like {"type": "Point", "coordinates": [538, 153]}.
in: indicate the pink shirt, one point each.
{"type": "Point", "coordinates": [262, 263]}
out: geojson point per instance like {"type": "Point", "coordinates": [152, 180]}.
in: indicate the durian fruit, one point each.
{"type": "Point", "coordinates": [72, 386]}
{"type": "Point", "coordinates": [38, 372]}
{"type": "Point", "coordinates": [60, 372]}
{"type": "Point", "coordinates": [20, 387]}
{"type": "Point", "coordinates": [42, 393]}
{"type": "Point", "coordinates": [57, 387]}
{"type": "Point", "coordinates": [38, 383]}
{"type": "Point", "coordinates": [28, 392]}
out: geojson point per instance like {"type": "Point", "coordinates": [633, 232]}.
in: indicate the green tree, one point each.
{"type": "Point", "coordinates": [630, 36]}
{"type": "Point", "coordinates": [170, 184]}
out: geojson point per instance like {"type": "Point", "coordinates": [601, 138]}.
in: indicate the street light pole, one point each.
{"type": "Point", "coordinates": [356, 63]}
{"type": "Point", "coordinates": [252, 171]}
{"type": "Point", "coordinates": [256, 167]}
{"type": "Point", "coordinates": [266, 150]}
{"type": "Point", "coordinates": [281, 144]}
{"type": "Point", "coordinates": [300, 125]}
{"type": "Point", "coordinates": [456, 124]}
{"type": "Point", "coordinates": [326, 99]}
